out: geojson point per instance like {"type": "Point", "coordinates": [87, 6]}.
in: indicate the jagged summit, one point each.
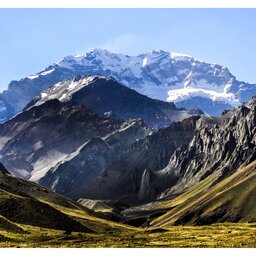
{"type": "Point", "coordinates": [179, 78]}
{"type": "Point", "coordinates": [106, 95]}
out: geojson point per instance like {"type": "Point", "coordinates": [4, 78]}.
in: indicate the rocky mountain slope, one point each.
{"type": "Point", "coordinates": [172, 160]}
{"type": "Point", "coordinates": [105, 96]}
{"type": "Point", "coordinates": [209, 179]}
{"type": "Point", "coordinates": [119, 178]}
{"type": "Point", "coordinates": [39, 138]}
{"type": "Point", "coordinates": [220, 144]}
{"type": "Point", "coordinates": [113, 165]}
{"type": "Point", "coordinates": [106, 159]}
{"type": "Point", "coordinates": [24, 202]}
{"type": "Point", "coordinates": [30, 213]}
{"type": "Point", "coordinates": [231, 200]}
{"type": "Point", "coordinates": [178, 78]}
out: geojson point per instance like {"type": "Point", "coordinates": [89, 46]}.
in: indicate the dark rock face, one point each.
{"type": "Point", "coordinates": [123, 103]}
{"type": "Point", "coordinates": [220, 144]}
{"type": "Point", "coordinates": [106, 97]}
{"type": "Point", "coordinates": [79, 154]}
{"type": "Point", "coordinates": [41, 137]}
{"type": "Point", "coordinates": [73, 175]}
{"type": "Point", "coordinates": [133, 177]}
{"type": "Point", "coordinates": [145, 192]}
{"type": "Point", "coordinates": [3, 169]}
{"type": "Point", "coordinates": [153, 74]}
{"type": "Point", "coordinates": [178, 157]}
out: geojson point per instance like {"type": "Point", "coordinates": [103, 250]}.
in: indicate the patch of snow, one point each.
{"type": "Point", "coordinates": [72, 85]}
{"type": "Point", "coordinates": [186, 93]}
{"type": "Point", "coordinates": [47, 72]}
{"type": "Point", "coordinates": [3, 141]}
{"type": "Point", "coordinates": [33, 77]}
{"type": "Point", "coordinates": [155, 92]}
{"type": "Point", "coordinates": [63, 97]}
{"type": "Point", "coordinates": [42, 73]}
{"type": "Point", "coordinates": [176, 55]}
{"type": "Point", "coordinates": [64, 90]}
{"type": "Point", "coordinates": [227, 87]}
{"type": "Point", "coordinates": [44, 94]}
{"type": "Point", "coordinates": [2, 106]}
{"type": "Point", "coordinates": [47, 161]}
{"type": "Point", "coordinates": [55, 183]}
{"type": "Point", "coordinates": [145, 61]}
{"type": "Point", "coordinates": [38, 145]}
{"type": "Point", "coordinates": [182, 71]}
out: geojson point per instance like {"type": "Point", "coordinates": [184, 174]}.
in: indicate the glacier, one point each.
{"type": "Point", "coordinates": [183, 79]}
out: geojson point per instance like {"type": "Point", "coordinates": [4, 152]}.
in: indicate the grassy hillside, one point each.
{"type": "Point", "coordinates": [217, 235]}
{"type": "Point", "coordinates": [32, 216]}
{"type": "Point", "coordinates": [26, 203]}
{"type": "Point", "coordinates": [231, 200]}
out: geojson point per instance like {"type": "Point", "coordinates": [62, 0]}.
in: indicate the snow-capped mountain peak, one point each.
{"type": "Point", "coordinates": [42, 73]}
{"type": "Point", "coordinates": [189, 82]}
{"type": "Point", "coordinates": [64, 90]}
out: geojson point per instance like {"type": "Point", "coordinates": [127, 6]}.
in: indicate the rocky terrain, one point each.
{"type": "Point", "coordinates": [219, 144]}
{"type": "Point", "coordinates": [39, 138]}
{"type": "Point", "coordinates": [174, 159]}
{"type": "Point", "coordinates": [58, 136]}
{"type": "Point", "coordinates": [106, 149]}
{"type": "Point", "coordinates": [106, 97]}
{"type": "Point", "coordinates": [179, 78]}
{"type": "Point", "coordinates": [106, 159]}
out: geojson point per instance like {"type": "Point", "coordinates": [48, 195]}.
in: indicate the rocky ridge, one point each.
{"type": "Point", "coordinates": [179, 78]}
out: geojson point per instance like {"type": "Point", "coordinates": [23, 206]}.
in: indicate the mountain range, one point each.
{"type": "Point", "coordinates": [60, 143]}
{"type": "Point", "coordinates": [75, 116]}
{"type": "Point", "coordinates": [106, 96]}
{"type": "Point", "coordinates": [113, 145]}
{"type": "Point", "coordinates": [178, 78]}
{"type": "Point", "coordinates": [34, 216]}
{"type": "Point", "coordinates": [198, 171]}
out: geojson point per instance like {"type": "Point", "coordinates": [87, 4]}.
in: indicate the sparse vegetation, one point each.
{"type": "Point", "coordinates": [22, 230]}
{"type": "Point", "coordinates": [217, 235]}
{"type": "Point", "coordinates": [231, 200]}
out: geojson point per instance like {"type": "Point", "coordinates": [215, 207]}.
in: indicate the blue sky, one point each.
{"type": "Point", "coordinates": [32, 39]}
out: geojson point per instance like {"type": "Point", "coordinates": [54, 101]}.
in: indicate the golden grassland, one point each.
{"type": "Point", "coordinates": [235, 195]}
{"type": "Point", "coordinates": [218, 235]}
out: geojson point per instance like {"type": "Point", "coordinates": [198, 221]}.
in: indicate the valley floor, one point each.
{"type": "Point", "coordinates": [218, 235]}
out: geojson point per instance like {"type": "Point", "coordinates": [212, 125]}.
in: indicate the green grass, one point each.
{"type": "Point", "coordinates": [218, 235]}
{"type": "Point", "coordinates": [236, 194]}
{"type": "Point", "coordinates": [90, 220]}
{"type": "Point", "coordinates": [234, 198]}
{"type": "Point", "coordinates": [7, 225]}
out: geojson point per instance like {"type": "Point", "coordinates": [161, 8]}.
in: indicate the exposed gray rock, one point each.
{"type": "Point", "coordinates": [124, 180]}
{"type": "Point", "coordinates": [180, 156]}
{"type": "Point", "coordinates": [74, 174]}
{"type": "Point", "coordinates": [108, 98]}
{"type": "Point", "coordinates": [157, 74]}
{"type": "Point", "coordinates": [220, 144]}
{"type": "Point", "coordinates": [3, 169]}
{"type": "Point", "coordinates": [145, 186]}
{"type": "Point", "coordinates": [41, 137]}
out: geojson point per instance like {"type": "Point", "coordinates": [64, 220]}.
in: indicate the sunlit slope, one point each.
{"type": "Point", "coordinates": [231, 200]}
{"type": "Point", "coordinates": [26, 203]}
